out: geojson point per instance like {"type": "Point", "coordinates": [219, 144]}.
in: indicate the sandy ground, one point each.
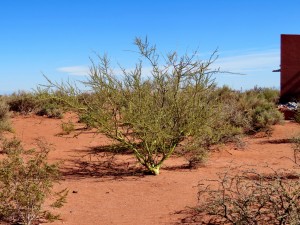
{"type": "Point", "coordinates": [105, 190]}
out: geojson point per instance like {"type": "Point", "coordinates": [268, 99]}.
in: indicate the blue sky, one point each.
{"type": "Point", "coordinates": [57, 37]}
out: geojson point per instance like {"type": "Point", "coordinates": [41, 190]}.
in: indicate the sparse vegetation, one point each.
{"type": "Point", "coordinates": [260, 109]}
{"type": "Point", "coordinates": [34, 103]}
{"type": "Point", "coordinates": [296, 149]}
{"type": "Point", "coordinates": [4, 116]}
{"type": "Point", "coordinates": [26, 180]}
{"type": "Point", "coordinates": [180, 110]}
{"type": "Point", "coordinates": [67, 127]}
{"type": "Point", "coordinates": [252, 111]}
{"type": "Point", "coordinates": [297, 115]}
{"type": "Point", "coordinates": [22, 102]}
{"type": "Point", "coordinates": [51, 110]}
{"type": "Point", "coordinates": [249, 197]}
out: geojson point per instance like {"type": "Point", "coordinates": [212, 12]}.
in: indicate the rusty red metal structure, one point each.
{"type": "Point", "coordinates": [290, 68]}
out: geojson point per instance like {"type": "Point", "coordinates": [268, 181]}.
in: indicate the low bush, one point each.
{"type": "Point", "coordinates": [250, 198]}
{"type": "Point", "coordinates": [23, 102]}
{"type": "Point", "coordinates": [195, 156]}
{"type": "Point", "coordinates": [9, 145]}
{"type": "Point", "coordinates": [4, 116]}
{"type": "Point", "coordinates": [51, 110]}
{"type": "Point", "coordinates": [252, 111]}
{"type": "Point", "coordinates": [261, 112]}
{"type": "Point", "coordinates": [297, 114]}
{"type": "Point", "coordinates": [270, 94]}
{"type": "Point", "coordinates": [67, 127]}
{"type": "Point", "coordinates": [26, 180]}
{"type": "Point", "coordinates": [296, 150]}
{"type": "Point", "coordinates": [34, 103]}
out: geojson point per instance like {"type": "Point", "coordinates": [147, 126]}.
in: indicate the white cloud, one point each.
{"type": "Point", "coordinates": [85, 71]}
{"type": "Point", "coordinates": [255, 65]}
{"type": "Point", "coordinates": [75, 70]}
{"type": "Point", "coordinates": [248, 62]}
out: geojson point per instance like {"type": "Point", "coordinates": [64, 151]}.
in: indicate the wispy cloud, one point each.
{"type": "Point", "coordinates": [248, 62]}
{"type": "Point", "coordinates": [240, 62]}
{"type": "Point", "coordinates": [255, 65]}
{"type": "Point", "coordinates": [75, 70]}
{"type": "Point", "coordinates": [84, 71]}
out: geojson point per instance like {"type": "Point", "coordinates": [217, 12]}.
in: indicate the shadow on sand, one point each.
{"type": "Point", "coordinates": [108, 161]}
{"type": "Point", "coordinates": [280, 141]}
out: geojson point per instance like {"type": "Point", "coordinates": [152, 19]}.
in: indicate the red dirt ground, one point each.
{"type": "Point", "coordinates": [118, 193]}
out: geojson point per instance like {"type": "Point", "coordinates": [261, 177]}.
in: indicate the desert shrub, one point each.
{"type": "Point", "coordinates": [87, 98]}
{"type": "Point", "coordinates": [216, 130]}
{"type": "Point", "coordinates": [270, 94]}
{"type": "Point", "coordinates": [230, 106]}
{"type": "Point", "coordinates": [23, 102]}
{"type": "Point", "coordinates": [4, 109]}
{"type": "Point", "coordinates": [249, 197]}
{"type": "Point", "coordinates": [51, 110]}
{"type": "Point", "coordinates": [151, 115]}
{"type": "Point", "coordinates": [264, 116]}
{"type": "Point", "coordinates": [87, 120]}
{"type": "Point", "coordinates": [50, 107]}
{"type": "Point", "coordinates": [226, 94]}
{"type": "Point", "coordinates": [4, 116]}
{"type": "Point", "coordinates": [196, 156]}
{"type": "Point", "coordinates": [297, 114]}
{"type": "Point", "coordinates": [26, 180]}
{"type": "Point", "coordinates": [250, 111]}
{"type": "Point", "coordinates": [178, 102]}
{"type": "Point", "coordinates": [261, 112]}
{"type": "Point", "coordinates": [35, 103]}
{"type": "Point", "coordinates": [13, 144]}
{"type": "Point", "coordinates": [67, 127]}
{"type": "Point", "coordinates": [253, 112]}
{"type": "Point", "coordinates": [234, 118]}
{"type": "Point", "coordinates": [296, 150]}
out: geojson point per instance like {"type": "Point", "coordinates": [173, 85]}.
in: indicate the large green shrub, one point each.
{"type": "Point", "coordinates": [151, 114]}
{"type": "Point", "coordinates": [177, 103]}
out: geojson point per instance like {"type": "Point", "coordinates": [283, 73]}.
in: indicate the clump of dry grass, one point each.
{"type": "Point", "coordinates": [250, 197]}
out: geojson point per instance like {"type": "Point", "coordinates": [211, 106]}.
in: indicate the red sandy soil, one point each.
{"type": "Point", "coordinates": [106, 190]}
